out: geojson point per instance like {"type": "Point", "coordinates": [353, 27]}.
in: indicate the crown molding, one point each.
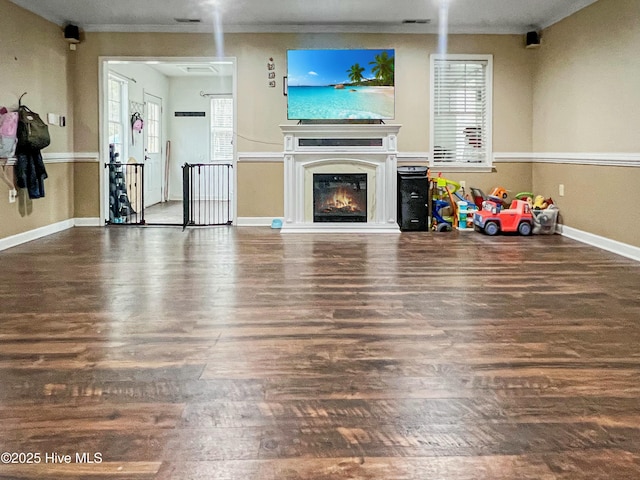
{"type": "Point", "coordinates": [347, 27]}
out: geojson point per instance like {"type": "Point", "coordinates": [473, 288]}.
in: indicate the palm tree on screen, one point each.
{"type": "Point", "coordinates": [355, 73]}
{"type": "Point", "coordinates": [383, 68]}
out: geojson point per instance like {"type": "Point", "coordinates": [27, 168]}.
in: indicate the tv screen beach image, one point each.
{"type": "Point", "coordinates": [340, 84]}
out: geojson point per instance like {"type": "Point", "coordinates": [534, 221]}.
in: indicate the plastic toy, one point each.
{"type": "Point", "coordinates": [524, 196]}
{"type": "Point", "coordinates": [540, 203]}
{"type": "Point", "coordinates": [497, 195]}
{"type": "Point", "coordinates": [544, 221]}
{"type": "Point", "coordinates": [450, 194]}
{"type": "Point", "coordinates": [478, 197]}
{"type": "Point", "coordinates": [440, 222]}
{"type": "Point", "coordinates": [491, 219]}
{"type": "Point", "coordinates": [465, 210]}
{"type": "Point", "coordinates": [499, 192]}
{"type": "Point", "coordinates": [444, 189]}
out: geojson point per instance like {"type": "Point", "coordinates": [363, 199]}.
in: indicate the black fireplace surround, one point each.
{"type": "Point", "coordinates": [339, 197]}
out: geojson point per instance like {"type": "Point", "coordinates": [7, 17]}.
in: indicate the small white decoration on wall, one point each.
{"type": "Point", "coordinates": [271, 72]}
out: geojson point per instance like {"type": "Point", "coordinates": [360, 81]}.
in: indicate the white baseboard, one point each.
{"type": "Point", "coordinates": [88, 222]}
{"type": "Point", "coordinates": [255, 221]}
{"type": "Point", "coordinates": [24, 237]}
{"type": "Point", "coordinates": [619, 248]}
{"type": "Point", "coordinates": [613, 246]}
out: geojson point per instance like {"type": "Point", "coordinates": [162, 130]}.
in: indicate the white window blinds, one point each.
{"type": "Point", "coordinates": [461, 109]}
{"type": "Point", "coordinates": [222, 129]}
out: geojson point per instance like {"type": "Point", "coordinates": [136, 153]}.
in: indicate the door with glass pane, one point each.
{"type": "Point", "coordinates": [222, 152]}
{"type": "Point", "coordinates": [153, 183]}
{"type": "Point", "coordinates": [117, 112]}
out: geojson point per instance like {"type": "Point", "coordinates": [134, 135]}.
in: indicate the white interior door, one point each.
{"type": "Point", "coordinates": [152, 150]}
{"type": "Point", "coordinates": [222, 149]}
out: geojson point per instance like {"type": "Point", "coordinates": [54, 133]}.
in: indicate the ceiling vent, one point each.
{"type": "Point", "coordinates": [421, 21]}
{"type": "Point", "coordinates": [198, 69]}
{"type": "Point", "coordinates": [187, 20]}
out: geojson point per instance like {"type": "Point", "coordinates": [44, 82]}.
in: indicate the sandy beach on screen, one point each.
{"type": "Point", "coordinates": [387, 91]}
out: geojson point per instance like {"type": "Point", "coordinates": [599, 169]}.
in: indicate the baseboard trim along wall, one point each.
{"type": "Point", "coordinates": [255, 221]}
{"type": "Point", "coordinates": [603, 243]}
{"type": "Point", "coordinates": [88, 222]}
{"type": "Point", "coordinates": [613, 246]}
{"type": "Point", "coordinates": [36, 233]}
{"type": "Point", "coordinates": [28, 236]}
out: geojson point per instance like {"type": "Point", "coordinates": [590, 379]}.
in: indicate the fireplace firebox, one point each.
{"type": "Point", "coordinates": [339, 197]}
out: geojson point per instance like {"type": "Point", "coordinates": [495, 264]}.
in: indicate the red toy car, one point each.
{"type": "Point", "coordinates": [493, 219]}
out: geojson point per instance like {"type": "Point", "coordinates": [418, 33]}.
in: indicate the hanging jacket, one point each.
{"type": "Point", "coordinates": [30, 172]}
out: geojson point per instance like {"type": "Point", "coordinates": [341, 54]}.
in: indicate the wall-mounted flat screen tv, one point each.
{"type": "Point", "coordinates": [346, 84]}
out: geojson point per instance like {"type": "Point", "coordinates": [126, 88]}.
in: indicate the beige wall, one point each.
{"type": "Point", "coordinates": [33, 59]}
{"type": "Point", "coordinates": [577, 93]}
{"type": "Point", "coordinates": [598, 199]}
{"type": "Point", "coordinates": [27, 214]}
{"type": "Point", "coordinates": [86, 184]}
{"type": "Point", "coordinates": [261, 193]}
{"type": "Point", "coordinates": [586, 89]}
{"type": "Point", "coordinates": [515, 177]}
{"type": "Point", "coordinates": [262, 109]}
{"type": "Point", "coordinates": [586, 99]}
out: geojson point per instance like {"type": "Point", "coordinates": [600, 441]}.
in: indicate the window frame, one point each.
{"type": "Point", "coordinates": [456, 165]}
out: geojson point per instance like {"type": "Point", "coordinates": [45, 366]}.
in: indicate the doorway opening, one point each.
{"type": "Point", "coordinates": [158, 116]}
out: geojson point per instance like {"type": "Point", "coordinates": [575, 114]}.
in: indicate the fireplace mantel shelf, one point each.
{"type": "Point", "coordinates": [340, 149]}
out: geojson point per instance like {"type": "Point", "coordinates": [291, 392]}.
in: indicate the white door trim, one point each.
{"type": "Point", "coordinates": [102, 124]}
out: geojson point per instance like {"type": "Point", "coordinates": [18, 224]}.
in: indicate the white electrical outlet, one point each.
{"type": "Point", "coordinates": [463, 184]}
{"type": "Point", "coordinates": [561, 189]}
{"type": "Point", "coordinates": [12, 196]}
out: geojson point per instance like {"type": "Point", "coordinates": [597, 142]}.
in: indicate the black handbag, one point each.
{"type": "Point", "coordinates": [33, 133]}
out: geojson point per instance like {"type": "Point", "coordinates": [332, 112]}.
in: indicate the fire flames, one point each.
{"type": "Point", "coordinates": [341, 201]}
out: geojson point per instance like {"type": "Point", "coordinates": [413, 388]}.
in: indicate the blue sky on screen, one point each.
{"type": "Point", "coordinates": [326, 67]}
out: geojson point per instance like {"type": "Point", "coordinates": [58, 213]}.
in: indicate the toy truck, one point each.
{"type": "Point", "coordinates": [493, 219]}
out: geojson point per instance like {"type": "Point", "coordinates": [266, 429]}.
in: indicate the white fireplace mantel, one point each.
{"type": "Point", "coordinates": [340, 148]}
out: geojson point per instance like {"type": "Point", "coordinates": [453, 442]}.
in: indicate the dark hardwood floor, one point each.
{"type": "Point", "coordinates": [243, 354]}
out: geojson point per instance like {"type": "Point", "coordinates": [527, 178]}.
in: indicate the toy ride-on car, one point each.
{"type": "Point", "coordinates": [493, 219]}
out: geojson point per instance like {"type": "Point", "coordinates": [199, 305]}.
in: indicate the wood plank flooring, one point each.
{"type": "Point", "coordinates": [239, 353]}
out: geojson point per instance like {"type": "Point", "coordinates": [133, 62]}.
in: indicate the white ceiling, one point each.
{"type": "Point", "coordinates": [174, 68]}
{"type": "Point", "coordinates": [384, 16]}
